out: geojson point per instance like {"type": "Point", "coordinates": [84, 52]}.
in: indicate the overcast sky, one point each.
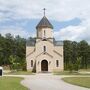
{"type": "Point", "coordinates": [70, 18]}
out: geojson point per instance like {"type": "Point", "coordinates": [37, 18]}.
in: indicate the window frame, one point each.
{"type": "Point", "coordinates": [57, 63]}
{"type": "Point", "coordinates": [44, 48]}
{"type": "Point", "coordinates": [31, 63]}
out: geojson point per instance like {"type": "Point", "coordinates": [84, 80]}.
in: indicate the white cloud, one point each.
{"type": "Point", "coordinates": [14, 31]}
{"type": "Point", "coordinates": [56, 9]}
{"type": "Point", "coordinates": [69, 33]}
{"type": "Point", "coordinates": [74, 33]}
{"type": "Point", "coordinates": [59, 10]}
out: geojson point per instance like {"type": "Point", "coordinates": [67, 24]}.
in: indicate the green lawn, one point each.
{"type": "Point", "coordinates": [11, 83]}
{"type": "Point", "coordinates": [68, 73]}
{"type": "Point", "coordinates": [80, 81]}
{"type": "Point", "coordinates": [19, 73]}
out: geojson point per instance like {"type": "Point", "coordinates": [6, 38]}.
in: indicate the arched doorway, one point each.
{"type": "Point", "coordinates": [44, 65]}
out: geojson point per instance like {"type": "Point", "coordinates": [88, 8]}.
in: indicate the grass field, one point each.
{"type": "Point", "coordinates": [80, 81]}
{"type": "Point", "coordinates": [18, 73]}
{"type": "Point", "coordinates": [68, 73]}
{"type": "Point", "coordinates": [11, 83]}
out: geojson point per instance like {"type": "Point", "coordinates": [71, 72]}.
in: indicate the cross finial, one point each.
{"type": "Point", "coordinates": [44, 11]}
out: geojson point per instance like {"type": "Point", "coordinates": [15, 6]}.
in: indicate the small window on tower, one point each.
{"type": "Point", "coordinates": [57, 63]}
{"type": "Point", "coordinates": [44, 33]}
{"type": "Point", "coordinates": [31, 63]}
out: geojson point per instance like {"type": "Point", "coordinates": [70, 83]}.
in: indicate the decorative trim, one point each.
{"type": "Point", "coordinates": [44, 54]}
{"type": "Point", "coordinates": [57, 53]}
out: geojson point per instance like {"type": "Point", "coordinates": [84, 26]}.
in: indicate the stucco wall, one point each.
{"type": "Point", "coordinates": [52, 54]}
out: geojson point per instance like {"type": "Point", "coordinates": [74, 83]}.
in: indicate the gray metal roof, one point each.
{"type": "Point", "coordinates": [58, 43]}
{"type": "Point", "coordinates": [44, 23]}
{"type": "Point", "coordinates": [31, 42]}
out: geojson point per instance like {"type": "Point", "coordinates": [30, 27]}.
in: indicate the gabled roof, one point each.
{"type": "Point", "coordinates": [44, 23]}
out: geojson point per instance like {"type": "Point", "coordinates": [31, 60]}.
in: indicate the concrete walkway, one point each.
{"type": "Point", "coordinates": [48, 82]}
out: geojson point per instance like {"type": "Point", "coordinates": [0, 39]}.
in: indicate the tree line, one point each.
{"type": "Point", "coordinates": [76, 55]}
{"type": "Point", "coordinates": [13, 53]}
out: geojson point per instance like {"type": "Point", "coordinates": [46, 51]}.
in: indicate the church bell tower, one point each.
{"type": "Point", "coordinates": [44, 28]}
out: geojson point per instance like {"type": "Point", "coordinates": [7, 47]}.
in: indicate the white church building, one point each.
{"type": "Point", "coordinates": [44, 53]}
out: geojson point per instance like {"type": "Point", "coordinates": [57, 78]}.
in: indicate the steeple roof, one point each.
{"type": "Point", "coordinates": [44, 23]}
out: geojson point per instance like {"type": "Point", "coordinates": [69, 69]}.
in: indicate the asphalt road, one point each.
{"type": "Point", "coordinates": [48, 82]}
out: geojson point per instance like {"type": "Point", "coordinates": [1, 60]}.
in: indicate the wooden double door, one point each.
{"type": "Point", "coordinates": [44, 65]}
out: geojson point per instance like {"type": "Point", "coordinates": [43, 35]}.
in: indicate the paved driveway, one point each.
{"type": "Point", "coordinates": [48, 82]}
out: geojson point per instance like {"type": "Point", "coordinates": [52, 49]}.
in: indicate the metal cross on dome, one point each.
{"type": "Point", "coordinates": [44, 11]}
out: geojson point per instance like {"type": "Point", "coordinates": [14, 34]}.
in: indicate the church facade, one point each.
{"type": "Point", "coordinates": [44, 53]}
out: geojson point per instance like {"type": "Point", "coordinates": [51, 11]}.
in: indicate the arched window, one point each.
{"type": "Point", "coordinates": [31, 63]}
{"type": "Point", "coordinates": [44, 33]}
{"type": "Point", "coordinates": [44, 48]}
{"type": "Point", "coordinates": [57, 63]}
